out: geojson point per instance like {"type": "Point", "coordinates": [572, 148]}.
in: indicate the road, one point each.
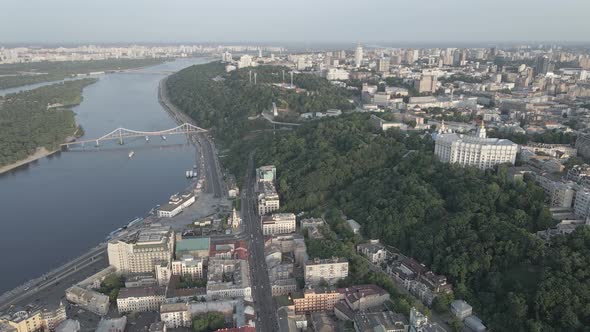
{"type": "Point", "coordinates": [261, 291]}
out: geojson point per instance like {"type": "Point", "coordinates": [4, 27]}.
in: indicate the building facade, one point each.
{"type": "Point", "coordinates": [329, 270]}
{"type": "Point", "coordinates": [478, 151]}
{"type": "Point", "coordinates": [278, 223]}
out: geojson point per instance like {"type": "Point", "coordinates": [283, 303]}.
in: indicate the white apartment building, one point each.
{"type": "Point", "coordinates": [141, 251]}
{"type": "Point", "coordinates": [478, 151]}
{"type": "Point", "coordinates": [188, 266]}
{"type": "Point", "coordinates": [175, 315]}
{"type": "Point", "coordinates": [140, 299]}
{"type": "Point", "coordinates": [278, 223]}
{"type": "Point", "coordinates": [337, 74]}
{"type": "Point", "coordinates": [330, 270]}
{"type": "Point", "coordinates": [268, 198]}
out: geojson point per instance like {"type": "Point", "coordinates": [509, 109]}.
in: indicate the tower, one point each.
{"type": "Point", "coordinates": [358, 55]}
{"type": "Point", "coordinates": [481, 131]}
{"type": "Point", "coordinates": [235, 220]}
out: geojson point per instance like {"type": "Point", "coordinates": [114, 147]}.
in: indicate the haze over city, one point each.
{"type": "Point", "coordinates": [294, 166]}
{"type": "Point", "coordinates": [304, 21]}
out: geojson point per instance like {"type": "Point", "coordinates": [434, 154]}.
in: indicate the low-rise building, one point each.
{"type": "Point", "coordinates": [112, 325]}
{"type": "Point", "coordinates": [175, 315]}
{"type": "Point", "coordinates": [329, 270]}
{"type": "Point", "coordinates": [380, 321]}
{"type": "Point", "coordinates": [317, 300]}
{"type": "Point", "coordinates": [461, 309]}
{"type": "Point", "coordinates": [278, 223]}
{"type": "Point", "coordinates": [140, 299]}
{"type": "Point", "coordinates": [188, 266]}
{"type": "Point", "coordinates": [373, 250]}
{"type": "Point", "coordinates": [88, 299]}
{"type": "Point", "coordinates": [228, 278]}
{"type": "Point", "coordinates": [176, 204]}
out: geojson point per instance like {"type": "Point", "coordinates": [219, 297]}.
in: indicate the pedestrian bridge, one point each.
{"type": "Point", "coordinates": [121, 134]}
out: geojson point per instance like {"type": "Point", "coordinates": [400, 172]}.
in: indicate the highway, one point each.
{"type": "Point", "coordinates": [261, 291]}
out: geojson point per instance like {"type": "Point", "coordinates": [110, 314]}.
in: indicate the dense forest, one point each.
{"type": "Point", "coordinates": [38, 118]}
{"type": "Point", "coordinates": [477, 228]}
{"type": "Point", "coordinates": [19, 74]}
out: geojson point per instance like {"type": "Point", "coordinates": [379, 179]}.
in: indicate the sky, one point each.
{"type": "Point", "coordinates": [293, 21]}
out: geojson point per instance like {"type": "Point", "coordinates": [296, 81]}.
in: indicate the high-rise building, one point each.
{"type": "Point", "coordinates": [383, 65]}
{"type": "Point", "coordinates": [478, 150]}
{"type": "Point", "coordinates": [426, 84]}
{"type": "Point", "coordinates": [358, 56]}
{"type": "Point", "coordinates": [542, 65]}
{"type": "Point", "coordinates": [141, 251]}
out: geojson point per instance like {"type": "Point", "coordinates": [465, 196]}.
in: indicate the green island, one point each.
{"type": "Point", "coordinates": [38, 119]}
{"type": "Point", "coordinates": [15, 75]}
{"type": "Point", "coordinates": [476, 228]}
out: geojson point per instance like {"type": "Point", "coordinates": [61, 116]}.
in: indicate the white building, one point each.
{"type": "Point", "coordinates": [140, 299]}
{"type": "Point", "coordinates": [245, 61]}
{"type": "Point", "coordinates": [278, 223]}
{"type": "Point", "coordinates": [176, 204]}
{"type": "Point", "coordinates": [141, 251]}
{"type": "Point", "coordinates": [188, 266]}
{"type": "Point", "coordinates": [358, 56]}
{"type": "Point", "coordinates": [329, 270]}
{"type": "Point", "coordinates": [175, 315]}
{"type": "Point", "coordinates": [226, 57]}
{"type": "Point", "coordinates": [461, 309]}
{"type": "Point", "coordinates": [268, 198]}
{"type": "Point", "coordinates": [478, 151]}
{"type": "Point", "coordinates": [337, 74]}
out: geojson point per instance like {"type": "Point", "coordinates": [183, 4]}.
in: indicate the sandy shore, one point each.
{"type": "Point", "coordinates": [40, 153]}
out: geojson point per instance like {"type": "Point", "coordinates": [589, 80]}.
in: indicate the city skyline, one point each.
{"type": "Point", "coordinates": [452, 21]}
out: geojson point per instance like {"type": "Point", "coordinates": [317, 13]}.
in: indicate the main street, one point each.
{"type": "Point", "coordinates": [261, 291]}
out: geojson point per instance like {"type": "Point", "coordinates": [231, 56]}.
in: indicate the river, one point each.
{"type": "Point", "coordinates": [56, 208]}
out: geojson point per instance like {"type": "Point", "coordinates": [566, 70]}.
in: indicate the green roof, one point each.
{"type": "Point", "coordinates": [192, 244]}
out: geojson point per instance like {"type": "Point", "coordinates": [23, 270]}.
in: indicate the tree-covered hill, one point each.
{"type": "Point", "coordinates": [38, 118]}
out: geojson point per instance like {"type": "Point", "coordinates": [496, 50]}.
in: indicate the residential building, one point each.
{"type": "Point", "coordinates": [188, 266]}
{"type": "Point", "coordinates": [311, 222]}
{"type": "Point", "coordinates": [426, 84]}
{"type": "Point", "coordinates": [317, 300]}
{"type": "Point", "coordinates": [141, 251]}
{"type": "Point", "coordinates": [88, 299]}
{"type": "Point", "coordinates": [461, 309]}
{"type": "Point", "coordinates": [383, 65]}
{"type": "Point", "coordinates": [278, 223]}
{"type": "Point", "coordinates": [329, 270]}
{"type": "Point", "coordinates": [175, 315]}
{"type": "Point", "coordinates": [358, 56]}
{"type": "Point", "coordinates": [373, 250]}
{"type": "Point", "coordinates": [559, 193]}
{"type": "Point", "coordinates": [140, 299]}
{"type": "Point", "coordinates": [386, 321]}
{"type": "Point", "coordinates": [478, 151]}
{"type": "Point", "coordinates": [268, 198]}
{"type": "Point", "coordinates": [23, 321]}
{"type": "Point", "coordinates": [68, 325]}
{"type": "Point", "coordinates": [475, 324]}
{"type": "Point", "coordinates": [112, 325]}
{"type": "Point", "coordinates": [228, 278]}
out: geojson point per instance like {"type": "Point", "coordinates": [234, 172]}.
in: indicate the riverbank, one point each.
{"type": "Point", "coordinates": [40, 153]}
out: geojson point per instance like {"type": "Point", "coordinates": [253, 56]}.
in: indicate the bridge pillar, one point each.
{"type": "Point", "coordinates": [97, 143]}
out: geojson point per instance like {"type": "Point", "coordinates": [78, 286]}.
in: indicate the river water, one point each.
{"type": "Point", "coordinates": [56, 208]}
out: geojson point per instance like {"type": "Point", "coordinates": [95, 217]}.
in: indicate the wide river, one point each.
{"type": "Point", "coordinates": [58, 207]}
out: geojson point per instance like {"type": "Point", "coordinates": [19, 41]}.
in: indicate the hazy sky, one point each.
{"type": "Point", "coordinates": [76, 21]}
